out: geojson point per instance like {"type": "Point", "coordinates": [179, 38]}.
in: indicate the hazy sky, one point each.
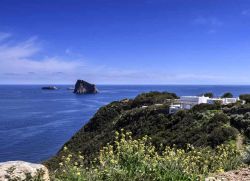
{"type": "Point", "coordinates": [125, 41]}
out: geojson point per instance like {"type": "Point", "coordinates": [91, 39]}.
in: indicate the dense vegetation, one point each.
{"type": "Point", "coordinates": [227, 95]}
{"type": "Point", "coordinates": [151, 98]}
{"type": "Point", "coordinates": [128, 159]}
{"type": "Point", "coordinates": [203, 126]}
{"type": "Point", "coordinates": [209, 94]}
{"type": "Point", "coordinates": [245, 97]}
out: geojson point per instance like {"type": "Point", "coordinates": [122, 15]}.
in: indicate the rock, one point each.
{"type": "Point", "coordinates": [50, 88]}
{"type": "Point", "coordinates": [20, 170]}
{"type": "Point", "coordinates": [242, 174]}
{"type": "Point", "coordinates": [83, 87]}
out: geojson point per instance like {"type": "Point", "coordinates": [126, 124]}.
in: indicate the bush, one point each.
{"type": "Point", "coordinates": [220, 118]}
{"type": "Point", "coordinates": [227, 95]}
{"type": "Point", "coordinates": [205, 107]}
{"type": "Point", "coordinates": [146, 99]}
{"type": "Point", "coordinates": [245, 97]}
{"type": "Point", "coordinates": [221, 134]}
{"type": "Point", "coordinates": [130, 159]}
{"type": "Point", "coordinates": [209, 94]}
{"type": "Point", "coordinates": [240, 109]}
{"type": "Point", "coordinates": [246, 155]}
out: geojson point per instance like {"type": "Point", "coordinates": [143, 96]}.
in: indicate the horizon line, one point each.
{"type": "Point", "coordinates": [48, 84]}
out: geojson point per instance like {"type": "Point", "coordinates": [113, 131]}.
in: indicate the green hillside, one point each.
{"type": "Point", "coordinates": [203, 126]}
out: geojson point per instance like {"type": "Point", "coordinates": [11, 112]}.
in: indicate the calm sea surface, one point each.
{"type": "Point", "coordinates": [35, 123]}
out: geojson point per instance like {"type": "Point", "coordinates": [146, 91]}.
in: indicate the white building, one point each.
{"type": "Point", "coordinates": [214, 100]}
{"type": "Point", "coordinates": [174, 108]}
{"type": "Point", "coordinates": [230, 100]}
{"type": "Point", "coordinates": [187, 102]}
{"type": "Point", "coordinates": [223, 101]}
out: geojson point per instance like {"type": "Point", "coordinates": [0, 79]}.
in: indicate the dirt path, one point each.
{"type": "Point", "coordinates": [239, 142]}
{"type": "Point", "coordinates": [235, 175]}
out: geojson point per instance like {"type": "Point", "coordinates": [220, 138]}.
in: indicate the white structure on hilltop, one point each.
{"type": "Point", "coordinates": [214, 100]}
{"type": "Point", "coordinates": [174, 108]}
{"type": "Point", "coordinates": [187, 102]}
{"type": "Point", "coordinates": [230, 100]}
{"type": "Point", "coordinates": [223, 101]}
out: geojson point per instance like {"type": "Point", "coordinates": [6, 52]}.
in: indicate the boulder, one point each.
{"type": "Point", "coordinates": [20, 170]}
{"type": "Point", "coordinates": [83, 87]}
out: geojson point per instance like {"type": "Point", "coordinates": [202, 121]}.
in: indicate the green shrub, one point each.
{"type": "Point", "coordinates": [245, 97]}
{"type": "Point", "coordinates": [246, 155]}
{"type": "Point", "coordinates": [137, 159]}
{"type": "Point", "coordinates": [220, 134]}
{"type": "Point", "coordinates": [150, 98]}
{"type": "Point", "coordinates": [227, 95]}
{"type": "Point", "coordinates": [205, 107]}
{"type": "Point", "coordinates": [209, 94]}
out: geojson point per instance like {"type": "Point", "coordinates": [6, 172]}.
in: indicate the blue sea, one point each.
{"type": "Point", "coordinates": [35, 123]}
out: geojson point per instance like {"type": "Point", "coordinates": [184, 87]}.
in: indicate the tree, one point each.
{"type": "Point", "coordinates": [245, 97]}
{"type": "Point", "coordinates": [218, 120]}
{"type": "Point", "coordinates": [221, 134]}
{"type": "Point", "coordinates": [205, 107]}
{"type": "Point", "coordinates": [227, 95]}
{"type": "Point", "coordinates": [209, 94]}
{"type": "Point", "coordinates": [152, 98]}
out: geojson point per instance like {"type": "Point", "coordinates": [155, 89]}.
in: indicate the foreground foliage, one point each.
{"type": "Point", "coordinates": [137, 159]}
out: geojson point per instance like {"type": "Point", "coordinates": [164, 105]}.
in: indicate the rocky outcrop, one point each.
{"type": "Point", "coordinates": [20, 170]}
{"type": "Point", "coordinates": [50, 88]}
{"type": "Point", "coordinates": [83, 87]}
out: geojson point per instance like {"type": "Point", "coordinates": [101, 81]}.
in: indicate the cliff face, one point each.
{"type": "Point", "coordinates": [83, 87]}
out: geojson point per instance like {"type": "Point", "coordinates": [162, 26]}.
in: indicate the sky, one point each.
{"type": "Point", "coordinates": [125, 41]}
